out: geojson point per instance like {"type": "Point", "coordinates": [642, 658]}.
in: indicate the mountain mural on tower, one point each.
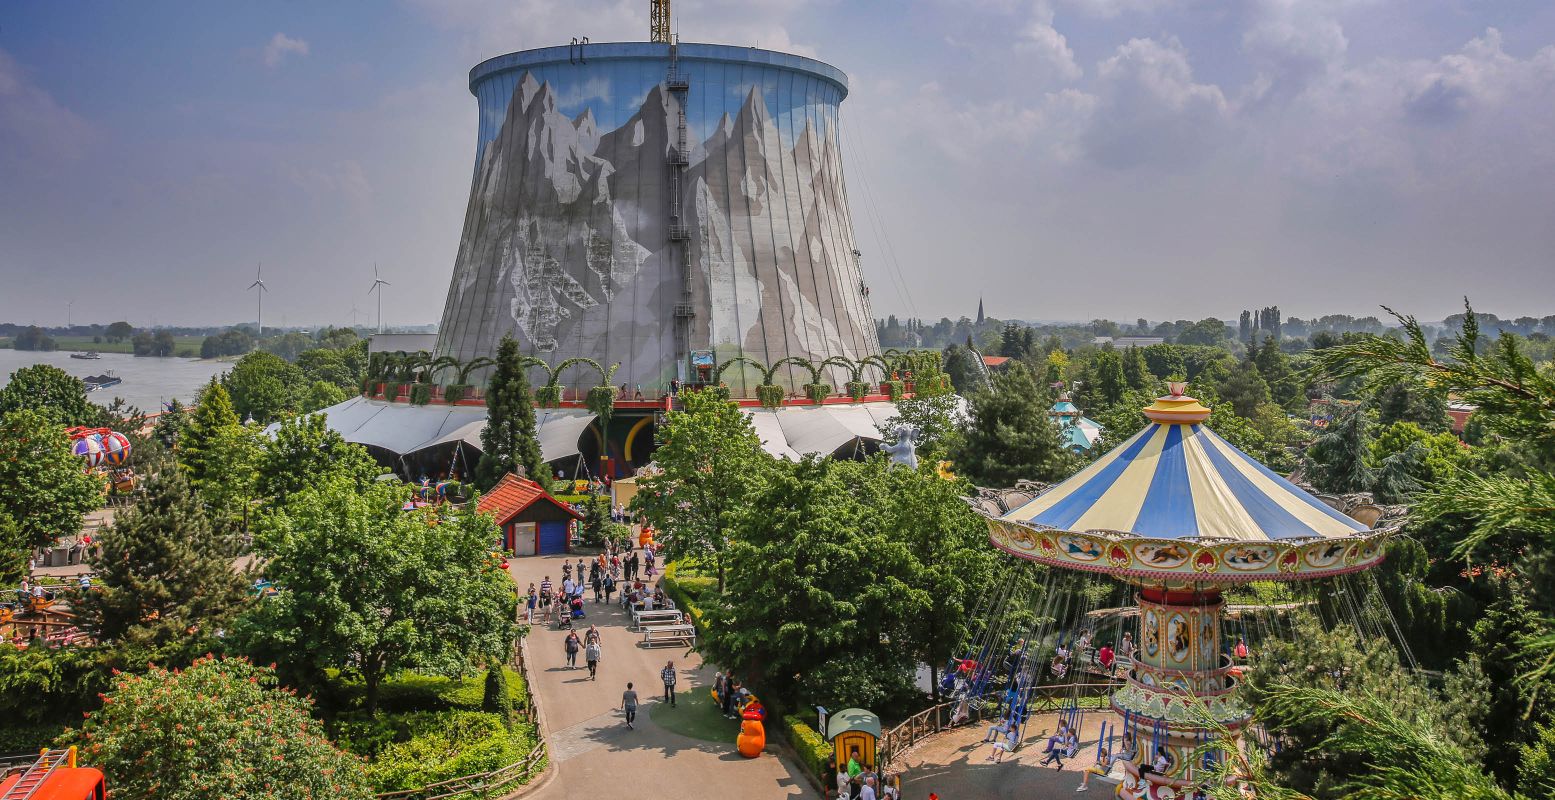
{"type": "Point", "coordinates": [566, 242]}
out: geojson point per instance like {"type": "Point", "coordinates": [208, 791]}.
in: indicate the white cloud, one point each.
{"type": "Point", "coordinates": [1151, 112]}
{"type": "Point", "coordinates": [280, 47]}
{"type": "Point", "coordinates": [1041, 38]}
{"type": "Point", "coordinates": [32, 123]}
{"type": "Point", "coordinates": [1292, 42]}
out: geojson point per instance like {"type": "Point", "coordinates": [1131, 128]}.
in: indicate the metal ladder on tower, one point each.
{"type": "Point", "coordinates": [33, 779]}
{"type": "Point", "coordinates": [679, 230]}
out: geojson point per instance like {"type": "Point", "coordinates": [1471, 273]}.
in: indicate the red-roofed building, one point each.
{"type": "Point", "coordinates": [532, 521]}
{"type": "Point", "coordinates": [995, 362]}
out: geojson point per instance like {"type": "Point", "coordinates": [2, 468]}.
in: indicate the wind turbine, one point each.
{"type": "Point", "coordinates": [259, 281]}
{"type": "Point", "coordinates": [377, 283]}
{"type": "Point", "coordinates": [354, 313]}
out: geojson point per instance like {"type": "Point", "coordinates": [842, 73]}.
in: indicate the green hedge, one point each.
{"type": "Point", "coordinates": [685, 591]}
{"type": "Point", "coordinates": [811, 747]}
{"type": "Point", "coordinates": [429, 729]}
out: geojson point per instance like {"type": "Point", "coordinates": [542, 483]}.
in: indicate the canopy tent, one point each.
{"type": "Point", "coordinates": [404, 429]}
{"type": "Point", "coordinates": [794, 431]}
{"type": "Point", "coordinates": [1184, 482]}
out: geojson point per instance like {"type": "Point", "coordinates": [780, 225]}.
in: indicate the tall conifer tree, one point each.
{"type": "Point", "coordinates": [509, 442]}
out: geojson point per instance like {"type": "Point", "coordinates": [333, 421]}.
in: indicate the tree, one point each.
{"type": "Point", "coordinates": [1405, 401]}
{"type": "Point", "coordinates": [321, 395]}
{"type": "Point", "coordinates": [335, 367]}
{"type": "Point", "coordinates": [1245, 390]}
{"type": "Point", "coordinates": [55, 394]}
{"type": "Point", "coordinates": [1110, 380]}
{"type": "Point", "coordinates": [217, 455]}
{"type": "Point", "coordinates": [233, 342]}
{"type": "Point", "coordinates": [368, 588]}
{"type": "Point", "coordinates": [950, 562]}
{"type": "Point", "coordinates": [1008, 435]}
{"type": "Point", "coordinates": [814, 585]}
{"type": "Point", "coordinates": [1208, 331]}
{"type": "Point", "coordinates": [43, 488]}
{"type": "Point", "coordinates": [496, 699]}
{"type": "Point", "coordinates": [303, 452]}
{"type": "Point", "coordinates": [1336, 461]}
{"type": "Point", "coordinates": [220, 728]}
{"type": "Point", "coordinates": [1285, 386]}
{"type": "Point", "coordinates": [711, 462]}
{"type": "Point", "coordinates": [936, 417]}
{"type": "Point", "coordinates": [961, 365]}
{"type": "Point", "coordinates": [264, 387]}
{"type": "Point", "coordinates": [1057, 367]}
{"type": "Point", "coordinates": [171, 424]}
{"type": "Point", "coordinates": [1340, 661]}
{"type": "Point", "coordinates": [33, 338]}
{"type": "Point", "coordinates": [164, 574]}
{"type": "Point", "coordinates": [508, 442]}
{"type": "Point", "coordinates": [1135, 373]}
{"type": "Point", "coordinates": [119, 331]}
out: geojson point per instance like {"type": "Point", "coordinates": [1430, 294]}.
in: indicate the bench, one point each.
{"type": "Point", "coordinates": [666, 622]}
{"type": "Point", "coordinates": [680, 634]}
{"type": "Point", "coordinates": [640, 618]}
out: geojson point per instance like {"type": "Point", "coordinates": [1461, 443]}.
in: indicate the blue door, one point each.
{"type": "Point", "coordinates": [553, 537]}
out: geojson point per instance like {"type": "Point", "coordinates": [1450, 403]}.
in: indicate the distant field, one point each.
{"type": "Point", "coordinates": [185, 345]}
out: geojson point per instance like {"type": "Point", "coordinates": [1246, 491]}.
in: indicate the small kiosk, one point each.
{"type": "Point", "coordinates": [850, 729]}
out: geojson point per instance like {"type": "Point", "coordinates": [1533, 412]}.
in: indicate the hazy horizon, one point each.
{"type": "Point", "coordinates": [1062, 159]}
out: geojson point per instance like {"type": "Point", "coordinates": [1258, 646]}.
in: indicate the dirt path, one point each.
{"type": "Point", "coordinates": [594, 754]}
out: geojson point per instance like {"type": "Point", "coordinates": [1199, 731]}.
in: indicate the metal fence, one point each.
{"type": "Point", "coordinates": [937, 719]}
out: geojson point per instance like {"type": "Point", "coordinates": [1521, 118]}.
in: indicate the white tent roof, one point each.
{"type": "Point", "coordinates": [789, 432]}
{"type": "Point", "coordinates": [793, 431]}
{"type": "Point", "coordinates": [403, 429]}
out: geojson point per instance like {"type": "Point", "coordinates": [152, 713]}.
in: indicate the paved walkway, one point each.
{"type": "Point", "coordinates": [594, 755]}
{"type": "Point", "coordinates": [954, 765]}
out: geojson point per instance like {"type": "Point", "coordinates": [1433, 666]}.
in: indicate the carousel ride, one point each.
{"type": "Point", "coordinates": [1177, 516]}
{"type": "Point", "coordinates": [105, 452]}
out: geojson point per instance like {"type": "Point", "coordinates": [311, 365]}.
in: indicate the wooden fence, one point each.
{"type": "Point", "coordinates": [491, 784]}
{"type": "Point", "coordinates": [936, 719]}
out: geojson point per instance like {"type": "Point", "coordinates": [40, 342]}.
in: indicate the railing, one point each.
{"type": "Point", "coordinates": [937, 719]}
{"type": "Point", "coordinates": [487, 784]}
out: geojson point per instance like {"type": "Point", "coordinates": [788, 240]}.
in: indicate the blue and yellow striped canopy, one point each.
{"type": "Point", "coordinates": [1181, 481]}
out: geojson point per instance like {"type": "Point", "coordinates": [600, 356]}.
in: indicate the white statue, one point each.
{"type": "Point", "coordinates": [905, 450]}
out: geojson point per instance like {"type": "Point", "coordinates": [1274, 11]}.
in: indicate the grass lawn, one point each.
{"type": "Point", "coordinates": [187, 346]}
{"type": "Point", "coordinates": [697, 716]}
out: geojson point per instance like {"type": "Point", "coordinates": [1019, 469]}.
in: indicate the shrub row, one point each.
{"type": "Point", "coordinates": [811, 747]}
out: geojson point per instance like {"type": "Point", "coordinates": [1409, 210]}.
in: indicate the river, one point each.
{"type": "Point", "coordinates": [148, 382]}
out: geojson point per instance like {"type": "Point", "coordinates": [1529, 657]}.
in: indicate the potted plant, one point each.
{"type": "Point", "coordinates": [817, 392]}
{"type": "Point", "coordinates": [770, 395]}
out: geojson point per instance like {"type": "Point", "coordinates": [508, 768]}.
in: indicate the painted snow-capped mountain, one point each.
{"type": "Point", "coordinates": [566, 241]}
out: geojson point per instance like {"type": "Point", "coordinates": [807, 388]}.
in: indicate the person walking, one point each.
{"type": "Point", "coordinates": [572, 645]}
{"type": "Point", "coordinates": [629, 705]}
{"type": "Point", "coordinates": [531, 602]}
{"type": "Point", "coordinates": [599, 586]}
{"type": "Point", "coordinates": [668, 676]}
{"type": "Point", "coordinates": [609, 583]}
{"type": "Point", "coordinates": [591, 656]}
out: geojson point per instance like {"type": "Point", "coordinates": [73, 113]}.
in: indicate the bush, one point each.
{"type": "Point", "coordinates": [213, 730]}
{"type": "Point", "coordinates": [857, 390]}
{"type": "Point", "coordinates": [812, 748]}
{"type": "Point", "coordinates": [685, 591]}
{"type": "Point", "coordinates": [548, 396]}
{"type": "Point", "coordinates": [817, 392]}
{"type": "Point", "coordinates": [455, 392]}
{"type": "Point", "coordinates": [420, 394]}
{"type": "Point", "coordinates": [411, 750]}
{"type": "Point", "coordinates": [893, 389]}
{"type": "Point", "coordinates": [770, 395]}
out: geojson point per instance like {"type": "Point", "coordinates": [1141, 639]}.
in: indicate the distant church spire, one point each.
{"type": "Point", "coordinates": [979, 310]}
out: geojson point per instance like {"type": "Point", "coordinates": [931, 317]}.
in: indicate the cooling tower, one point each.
{"type": "Point", "coordinates": [659, 208]}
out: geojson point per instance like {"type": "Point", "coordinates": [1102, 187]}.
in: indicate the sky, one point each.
{"type": "Point", "coordinates": [1060, 159]}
